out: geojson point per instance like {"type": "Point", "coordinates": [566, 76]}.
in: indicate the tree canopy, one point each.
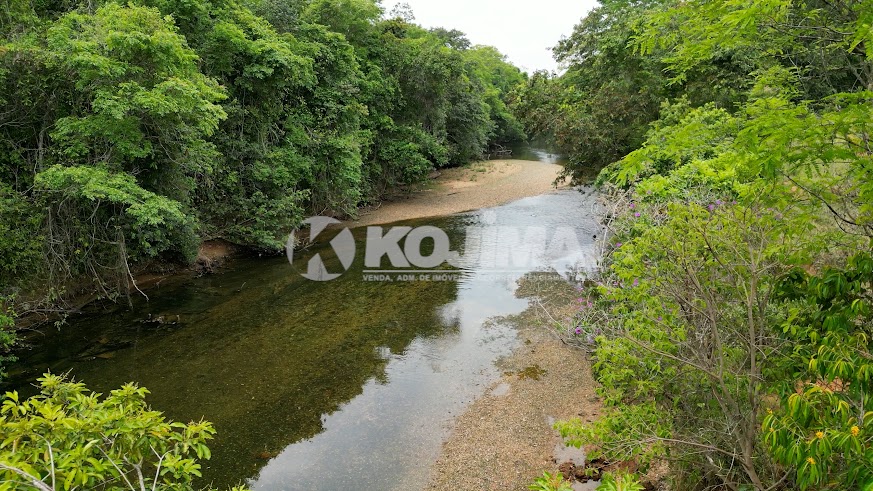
{"type": "Point", "coordinates": [131, 132]}
{"type": "Point", "coordinates": [731, 327]}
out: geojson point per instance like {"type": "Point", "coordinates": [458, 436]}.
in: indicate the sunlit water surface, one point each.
{"type": "Point", "coordinates": [344, 384]}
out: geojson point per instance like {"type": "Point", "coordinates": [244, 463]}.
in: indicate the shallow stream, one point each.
{"type": "Point", "coordinates": [343, 384]}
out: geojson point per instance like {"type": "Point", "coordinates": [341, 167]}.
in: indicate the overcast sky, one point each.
{"type": "Point", "coordinates": [524, 31]}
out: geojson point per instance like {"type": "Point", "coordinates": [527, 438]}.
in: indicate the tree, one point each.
{"type": "Point", "coordinates": [116, 97]}
{"type": "Point", "coordinates": [599, 109]}
{"type": "Point", "coordinates": [452, 38]}
{"type": "Point", "coordinates": [687, 356]}
{"type": "Point", "coordinates": [403, 12]}
{"type": "Point", "coordinates": [131, 134]}
{"type": "Point", "coordinates": [499, 78]}
{"type": "Point", "coordinates": [67, 438]}
{"type": "Point", "coordinates": [824, 425]}
{"type": "Point", "coordinates": [734, 314]}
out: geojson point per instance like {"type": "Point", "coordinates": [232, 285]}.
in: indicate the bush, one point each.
{"type": "Point", "coordinates": [619, 482]}
{"type": "Point", "coordinates": [67, 438]}
{"type": "Point", "coordinates": [550, 482]}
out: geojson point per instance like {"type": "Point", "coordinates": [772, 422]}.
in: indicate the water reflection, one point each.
{"type": "Point", "coordinates": [537, 151]}
{"type": "Point", "coordinates": [387, 437]}
{"type": "Point", "coordinates": [341, 384]}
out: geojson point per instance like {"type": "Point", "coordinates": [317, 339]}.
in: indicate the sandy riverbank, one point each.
{"type": "Point", "coordinates": [455, 190]}
{"type": "Point", "coordinates": [504, 440]}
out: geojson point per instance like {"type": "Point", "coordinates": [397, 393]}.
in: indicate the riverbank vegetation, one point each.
{"type": "Point", "coordinates": [132, 132]}
{"type": "Point", "coordinates": [69, 438]}
{"type": "Point", "coordinates": [731, 324]}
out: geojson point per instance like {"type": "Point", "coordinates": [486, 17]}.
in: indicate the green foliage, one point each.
{"type": "Point", "coordinates": [618, 65]}
{"type": "Point", "coordinates": [106, 136]}
{"type": "Point", "coordinates": [689, 309]}
{"type": "Point", "coordinates": [619, 482]}
{"type": "Point", "coordinates": [131, 133]}
{"type": "Point", "coordinates": [818, 39]}
{"type": "Point", "coordinates": [550, 482]}
{"type": "Point", "coordinates": [354, 19]}
{"type": "Point", "coordinates": [416, 148]}
{"type": "Point", "coordinates": [733, 321]}
{"type": "Point", "coordinates": [499, 78]}
{"type": "Point", "coordinates": [823, 425]}
{"type": "Point", "coordinates": [452, 38]}
{"type": "Point", "coordinates": [139, 103]}
{"type": "Point", "coordinates": [152, 223]}
{"type": "Point", "coordinates": [599, 109]}
{"type": "Point", "coordinates": [20, 238]}
{"type": "Point", "coordinates": [67, 438]}
{"type": "Point", "coordinates": [619, 433]}
{"type": "Point", "coordinates": [7, 333]}
{"type": "Point", "coordinates": [682, 135]}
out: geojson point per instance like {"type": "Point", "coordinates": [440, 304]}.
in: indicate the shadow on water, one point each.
{"type": "Point", "coordinates": [322, 385]}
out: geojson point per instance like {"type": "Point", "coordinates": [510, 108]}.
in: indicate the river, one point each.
{"type": "Point", "coordinates": [345, 384]}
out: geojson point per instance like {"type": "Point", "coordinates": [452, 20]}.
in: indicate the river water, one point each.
{"type": "Point", "coordinates": [344, 384]}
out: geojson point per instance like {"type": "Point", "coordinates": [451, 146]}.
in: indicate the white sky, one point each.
{"type": "Point", "coordinates": [522, 30]}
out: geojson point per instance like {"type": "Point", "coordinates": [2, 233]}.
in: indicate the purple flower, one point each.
{"type": "Point", "coordinates": [636, 282]}
{"type": "Point", "coordinates": [734, 202]}
{"type": "Point", "coordinates": [719, 202]}
{"type": "Point", "coordinates": [578, 331]}
{"type": "Point", "coordinates": [711, 207]}
{"type": "Point", "coordinates": [617, 245]}
{"type": "Point", "coordinates": [590, 339]}
{"type": "Point", "coordinates": [637, 214]}
{"type": "Point", "coordinates": [660, 318]}
{"type": "Point", "coordinates": [633, 205]}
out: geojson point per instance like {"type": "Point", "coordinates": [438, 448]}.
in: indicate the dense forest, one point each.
{"type": "Point", "coordinates": [730, 327]}
{"type": "Point", "coordinates": [730, 321]}
{"type": "Point", "coordinates": [129, 134]}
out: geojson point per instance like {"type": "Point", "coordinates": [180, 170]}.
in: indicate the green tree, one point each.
{"type": "Point", "coordinates": [737, 335]}
{"type": "Point", "coordinates": [600, 108]}
{"type": "Point", "coordinates": [499, 78]}
{"type": "Point", "coordinates": [452, 38]}
{"type": "Point", "coordinates": [688, 355]}
{"type": "Point", "coordinates": [67, 438]}
{"type": "Point", "coordinates": [130, 134]}
{"type": "Point", "coordinates": [823, 426]}
{"type": "Point", "coordinates": [117, 103]}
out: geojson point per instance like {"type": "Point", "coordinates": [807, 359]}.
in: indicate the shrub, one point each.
{"type": "Point", "coordinates": [67, 438]}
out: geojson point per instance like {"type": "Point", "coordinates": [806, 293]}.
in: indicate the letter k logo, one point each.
{"type": "Point", "coordinates": [343, 244]}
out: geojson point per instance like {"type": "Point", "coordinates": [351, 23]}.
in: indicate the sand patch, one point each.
{"type": "Point", "coordinates": [479, 185]}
